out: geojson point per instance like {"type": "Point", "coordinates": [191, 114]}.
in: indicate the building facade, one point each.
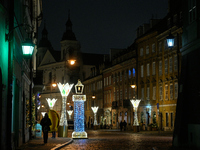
{"type": "Point", "coordinates": [19, 20]}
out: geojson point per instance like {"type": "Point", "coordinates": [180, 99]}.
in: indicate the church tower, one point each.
{"type": "Point", "coordinates": [43, 46]}
{"type": "Point", "coordinates": [70, 49]}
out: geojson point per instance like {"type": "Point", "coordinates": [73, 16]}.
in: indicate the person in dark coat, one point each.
{"type": "Point", "coordinates": [45, 123]}
{"type": "Point", "coordinates": [124, 124]}
{"type": "Point", "coordinates": [121, 125]}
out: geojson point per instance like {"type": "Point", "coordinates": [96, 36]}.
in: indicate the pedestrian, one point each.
{"type": "Point", "coordinates": [124, 124]}
{"type": "Point", "coordinates": [121, 125]}
{"type": "Point", "coordinates": [45, 123]}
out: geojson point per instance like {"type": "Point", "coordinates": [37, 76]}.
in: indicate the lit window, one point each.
{"type": "Point", "coordinates": [166, 92]}
{"type": "Point", "coordinates": [153, 68]}
{"type": "Point", "coordinates": [166, 66]}
{"type": "Point", "coordinates": [160, 92]}
{"type": "Point", "coordinates": [142, 94]}
{"type": "Point", "coordinates": [148, 74]}
{"type": "Point", "coordinates": [147, 93]}
{"type": "Point", "coordinates": [133, 72]}
{"type": "Point", "coordinates": [160, 67]}
{"type": "Point", "coordinates": [141, 51]}
{"type": "Point", "coordinates": [153, 48]}
{"type": "Point", "coordinates": [171, 91]}
{"type": "Point", "coordinates": [170, 64]}
{"type": "Point", "coordinates": [192, 10]}
{"type": "Point", "coordinates": [154, 93]}
{"type": "Point", "coordinates": [147, 50]}
{"type": "Point", "coordinates": [142, 75]}
{"type": "Point", "coordinates": [175, 90]}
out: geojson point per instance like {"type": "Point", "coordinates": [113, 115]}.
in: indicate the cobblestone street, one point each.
{"type": "Point", "coordinates": [103, 139]}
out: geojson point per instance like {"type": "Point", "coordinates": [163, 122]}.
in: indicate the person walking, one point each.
{"type": "Point", "coordinates": [45, 123]}
{"type": "Point", "coordinates": [124, 124]}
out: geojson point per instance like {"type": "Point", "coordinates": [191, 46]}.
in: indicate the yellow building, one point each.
{"type": "Point", "coordinates": [158, 73]}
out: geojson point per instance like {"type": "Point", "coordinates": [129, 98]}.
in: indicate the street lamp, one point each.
{"type": "Point", "coordinates": [95, 109]}
{"type": "Point", "coordinates": [135, 104]}
{"type": "Point", "coordinates": [79, 99]}
{"type": "Point", "coordinates": [70, 113]}
{"type": "Point", "coordinates": [64, 90]}
{"type": "Point", "coordinates": [27, 48]}
{"type": "Point", "coordinates": [170, 41]}
{"type": "Point", "coordinates": [51, 102]}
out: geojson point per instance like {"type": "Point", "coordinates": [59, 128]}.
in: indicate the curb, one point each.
{"type": "Point", "coordinates": [62, 145]}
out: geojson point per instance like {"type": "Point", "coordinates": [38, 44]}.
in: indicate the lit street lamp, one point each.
{"type": "Point", "coordinates": [170, 40]}
{"type": "Point", "coordinates": [79, 98]}
{"type": "Point", "coordinates": [135, 104]}
{"type": "Point", "coordinates": [51, 102]}
{"type": "Point", "coordinates": [64, 90]}
{"type": "Point", "coordinates": [95, 109]}
{"type": "Point", "coordinates": [70, 113]}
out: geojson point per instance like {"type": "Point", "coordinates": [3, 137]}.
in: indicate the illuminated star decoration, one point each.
{"type": "Point", "coordinates": [51, 102]}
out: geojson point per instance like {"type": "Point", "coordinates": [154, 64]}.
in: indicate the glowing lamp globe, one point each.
{"type": "Point", "coordinates": [170, 41]}
{"type": "Point", "coordinates": [27, 47]}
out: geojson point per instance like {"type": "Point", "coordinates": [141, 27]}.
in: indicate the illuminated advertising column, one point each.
{"type": "Point", "coordinates": [95, 109]}
{"type": "Point", "coordinates": [79, 99]}
{"type": "Point", "coordinates": [70, 113]}
{"type": "Point", "coordinates": [135, 104]}
{"type": "Point", "coordinates": [63, 126]}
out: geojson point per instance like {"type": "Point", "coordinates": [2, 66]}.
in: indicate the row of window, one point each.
{"type": "Point", "coordinates": [118, 94]}
{"type": "Point", "coordinates": [118, 76]}
{"type": "Point", "coordinates": [153, 47]}
{"type": "Point", "coordinates": [92, 87]}
{"type": "Point", "coordinates": [168, 64]}
{"type": "Point", "coordinates": [171, 91]}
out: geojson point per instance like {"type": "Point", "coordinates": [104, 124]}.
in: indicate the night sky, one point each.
{"type": "Point", "coordinates": [100, 24]}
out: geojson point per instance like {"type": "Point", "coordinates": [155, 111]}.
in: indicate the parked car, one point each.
{"type": "Point", "coordinates": [70, 124]}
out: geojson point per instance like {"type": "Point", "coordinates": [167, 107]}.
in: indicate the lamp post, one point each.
{"type": "Point", "coordinates": [135, 104]}
{"type": "Point", "coordinates": [51, 102]}
{"type": "Point", "coordinates": [70, 113]}
{"type": "Point", "coordinates": [95, 109]}
{"type": "Point", "coordinates": [79, 99]}
{"type": "Point", "coordinates": [64, 90]}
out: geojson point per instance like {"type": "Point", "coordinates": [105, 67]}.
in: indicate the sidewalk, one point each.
{"type": "Point", "coordinates": [52, 143]}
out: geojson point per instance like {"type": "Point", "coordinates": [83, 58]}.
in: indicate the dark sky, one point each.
{"type": "Point", "coordinates": [100, 24]}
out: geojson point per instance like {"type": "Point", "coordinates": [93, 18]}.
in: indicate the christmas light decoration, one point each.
{"type": "Point", "coordinates": [43, 113]}
{"type": "Point", "coordinates": [70, 113]}
{"type": "Point", "coordinates": [79, 126]}
{"type": "Point", "coordinates": [64, 90]}
{"type": "Point", "coordinates": [51, 102]}
{"type": "Point", "coordinates": [135, 104]}
{"type": "Point", "coordinates": [95, 109]}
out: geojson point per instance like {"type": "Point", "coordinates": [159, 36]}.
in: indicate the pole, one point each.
{"type": "Point", "coordinates": [10, 76]}
{"type": "Point", "coordinates": [30, 101]}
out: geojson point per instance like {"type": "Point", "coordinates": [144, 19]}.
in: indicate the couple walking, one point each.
{"type": "Point", "coordinates": [123, 124]}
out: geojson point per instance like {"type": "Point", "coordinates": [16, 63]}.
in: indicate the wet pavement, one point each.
{"type": "Point", "coordinates": [52, 143]}
{"type": "Point", "coordinates": [106, 140]}
{"type": "Point", "coordinates": [122, 140]}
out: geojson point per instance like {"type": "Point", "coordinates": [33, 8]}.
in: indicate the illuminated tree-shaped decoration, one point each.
{"type": "Point", "coordinates": [64, 90]}
{"type": "Point", "coordinates": [95, 109]}
{"type": "Point", "coordinates": [70, 113]}
{"type": "Point", "coordinates": [51, 102]}
{"type": "Point", "coordinates": [135, 104]}
{"type": "Point", "coordinates": [79, 126]}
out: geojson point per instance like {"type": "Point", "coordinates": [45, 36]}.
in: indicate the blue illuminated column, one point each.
{"type": "Point", "coordinates": [79, 126]}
